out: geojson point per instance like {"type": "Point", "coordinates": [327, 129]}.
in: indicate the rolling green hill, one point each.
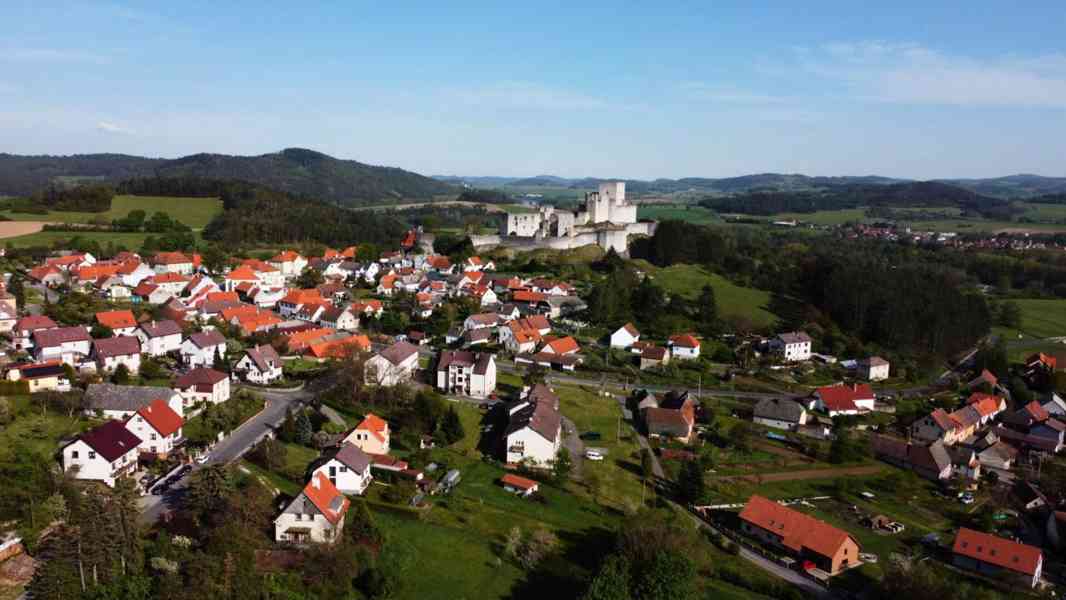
{"type": "Point", "coordinates": [194, 212]}
{"type": "Point", "coordinates": [297, 171]}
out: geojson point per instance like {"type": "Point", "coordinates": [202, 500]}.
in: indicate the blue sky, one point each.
{"type": "Point", "coordinates": [606, 89]}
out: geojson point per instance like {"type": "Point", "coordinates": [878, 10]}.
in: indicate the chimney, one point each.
{"type": "Point", "coordinates": [316, 483]}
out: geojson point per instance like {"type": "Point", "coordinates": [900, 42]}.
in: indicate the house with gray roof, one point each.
{"type": "Point", "coordinates": [122, 401]}
{"type": "Point", "coordinates": [780, 413]}
{"type": "Point", "coordinates": [348, 469]}
{"type": "Point", "coordinates": [260, 364]}
{"type": "Point", "coordinates": [466, 373]}
{"type": "Point", "coordinates": [534, 428]}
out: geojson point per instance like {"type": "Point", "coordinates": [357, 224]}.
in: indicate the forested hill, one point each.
{"type": "Point", "coordinates": [297, 171]}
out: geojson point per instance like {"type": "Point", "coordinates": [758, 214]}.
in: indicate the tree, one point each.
{"type": "Point", "coordinates": [101, 331]}
{"type": "Point", "coordinates": [647, 463]}
{"type": "Point", "coordinates": [309, 278]}
{"type": "Point", "coordinates": [562, 466]}
{"type": "Point", "coordinates": [707, 310]}
{"type": "Point", "coordinates": [214, 258]}
{"type": "Point", "coordinates": [1019, 391]}
{"type": "Point", "coordinates": [451, 427]}
{"type": "Point", "coordinates": [993, 357]}
{"type": "Point", "coordinates": [17, 289]}
{"type": "Point", "coordinates": [360, 525]}
{"type": "Point", "coordinates": [669, 576]}
{"type": "Point", "coordinates": [304, 430]}
{"type": "Point", "coordinates": [207, 492]}
{"type": "Point", "coordinates": [121, 376]}
{"type": "Point", "coordinates": [740, 436]}
{"type": "Point", "coordinates": [269, 454]}
{"type": "Point", "coordinates": [1010, 314]}
{"type": "Point", "coordinates": [612, 580]}
{"type": "Point", "coordinates": [690, 485]}
{"type": "Point", "coordinates": [151, 369]}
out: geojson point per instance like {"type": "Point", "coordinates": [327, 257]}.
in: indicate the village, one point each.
{"type": "Point", "coordinates": [174, 369]}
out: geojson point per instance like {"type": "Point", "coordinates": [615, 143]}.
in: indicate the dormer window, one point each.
{"type": "Point", "coordinates": [92, 454]}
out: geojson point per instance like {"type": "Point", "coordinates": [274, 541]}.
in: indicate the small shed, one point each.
{"type": "Point", "coordinates": [519, 485]}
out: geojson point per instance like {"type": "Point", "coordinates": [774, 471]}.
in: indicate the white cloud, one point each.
{"type": "Point", "coordinates": [914, 74]}
{"type": "Point", "coordinates": [111, 127]}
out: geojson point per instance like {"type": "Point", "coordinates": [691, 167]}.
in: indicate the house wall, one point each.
{"type": "Point", "coordinates": [684, 353]}
{"type": "Point", "coordinates": [382, 372]}
{"type": "Point", "coordinates": [322, 531]}
{"type": "Point", "coordinates": [252, 373]}
{"type": "Point", "coordinates": [528, 444]}
{"type": "Point", "coordinates": [219, 393]}
{"type": "Point", "coordinates": [67, 351]}
{"type": "Point", "coordinates": [876, 373]}
{"type": "Point", "coordinates": [194, 356]}
{"type": "Point", "coordinates": [151, 441]}
{"type": "Point", "coordinates": [776, 423]}
{"type": "Point", "coordinates": [94, 467]}
{"type": "Point", "coordinates": [926, 430]}
{"type": "Point", "coordinates": [622, 339]}
{"type": "Point", "coordinates": [132, 362]}
{"type": "Point", "coordinates": [158, 346]}
{"type": "Point", "coordinates": [368, 442]}
{"type": "Point", "coordinates": [797, 352]}
{"type": "Point", "coordinates": [348, 481]}
{"type": "Point", "coordinates": [970, 564]}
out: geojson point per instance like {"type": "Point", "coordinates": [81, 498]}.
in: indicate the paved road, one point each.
{"type": "Point", "coordinates": [235, 445]}
{"type": "Point", "coordinates": [574, 445]}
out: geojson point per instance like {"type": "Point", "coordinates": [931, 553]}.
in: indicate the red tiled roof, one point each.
{"type": "Point", "coordinates": [528, 296]}
{"type": "Point", "coordinates": [518, 482]}
{"type": "Point", "coordinates": [286, 256]}
{"type": "Point", "coordinates": [374, 424]}
{"type": "Point", "coordinates": [171, 258]}
{"type": "Point", "coordinates": [843, 397]}
{"type": "Point", "coordinates": [198, 376]}
{"type": "Point", "coordinates": [684, 340]}
{"type": "Point", "coordinates": [169, 278]}
{"type": "Point", "coordinates": [340, 348]}
{"type": "Point", "coordinates": [161, 417]}
{"type": "Point", "coordinates": [1037, 412]}
{"type": "Point", "coordinates": [242, 274]}
{"type": "Point", "coordinates": [564, 345]}
{"type": "Point", "coordinates": [116, 319]}
{"type": "Point", "coordinates": [997, 551]}
{"type": "Point", "coordinates": [326, 498]}
{"type": "Point", "coordinates": [797, 530]}
{"type": "Point", "coordinates": [985, 404]}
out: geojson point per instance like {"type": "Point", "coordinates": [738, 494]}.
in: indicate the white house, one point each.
{"type": "Point", "coordinates": [159, 337]}
{"type": "Point", "coordinates": [202, 385]}
{"type": "Point", "coordinates": [158, 427]}
{"type": "Point", "coordinates": [780, 413]}
{"type": "Point", "coordinates": [71, 345]}
{"type": "Point", "coordinates": [349, 470]}
{"type": "Point", "coordinates": [260, 364]}
{"type": "Point", "coordinates": [466, 373]}
{"type": "Point", "coordinates": [626, 336]}
{"type": "Point", "coordinates": [201, 349]}
{"type": "Point", "coordinates": [134, 274]}
{"type": "Point", "coordinates": [794, 346]}
{"type": "Point", "coordinates": [26, 326]}
{"type": "Point", "coordinates": [315, 516]}
{"type": "Point", "coordinates": [173, 262]}
{"type": "Point", "coordinates": [104, 453]}
{"type": "Point", "coordinates": [109, 353]}
{"type": "Point", "coordinates": [393, 365]}
{"type": "Point", "coordinates": [372, 435]}
{"type": "Point", "coordinates": [341, 319]}
{"type": "Point", "coordinates": [684, 346]}
{"type": "Point", "coordinates": [844, 399]}
{"type": "Point", "coordinates": [874, 368]}
{"type": "Point", "coordinates": [534, 429]}
{"type": "Point", "coordinates": [290, 263]}
{"type": "Point", "coordinates": [120, 322]}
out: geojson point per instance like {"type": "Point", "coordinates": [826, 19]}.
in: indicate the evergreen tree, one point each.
{"type": "Point", "coordinates": [304, 431]}
{"type": "Point", "coordinates": [57, 576]}
{"type": "Point", "coordinates": [360, 524]}
{"type": "Point", "coordinates": [309, 278]}
{"type": "Point", "coordinates": [287, 431]}
{"type": "Point", "coordinates": [668, 576]}
{"type": "Point", "coordinates": [690, 485]}
{"type": "Point", "coordinates": [121, 376]}
{"type": "Point", "coordinates": [707, 307]}
{"type": "Point", "coordinates": [451, 427]}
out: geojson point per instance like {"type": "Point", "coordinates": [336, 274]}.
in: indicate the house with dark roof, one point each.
{"type": "Point", "coordinates": [260, 364]}
{"type": "Point", "coordinates": [393, 365]}
{"type": "Point", "coordinates": [653, 356]}
{"type": "Point", "coordinates": [26, 326]}
{"type": "Point", "coordinates": [466, 373]}
{"type": "Point", "coordinates": [673, 415]}
{"type": "Point", "coordinates": [159, 337]}
{"type": "Point", "coordinates": [201, 349]}
{"type": "Point", "coordinates": [348, 469]}
{"type": "Point", "coordinates": [830, 549]}
{"type": "Point", "coordinates": [39, 377]}
{"type": "Point", "coordinates": [794, 346]}
{"type": "Point", "coordinates": [780, 413]}
{"type": "Point", "coordinates": [315, 516]}
{"type": "Point", "coordinates": [874, 368]}
{"type": "Point", "coordinates": [202, 385]}
{"type": "Point", "coordinates": [71, 345]}
{"type": "Point", "coordinates": [104, 453]}
{"type": "Point", "coordinates": [122, 401]}
{"type": "Point", "coordinates": [158, 427]}
{"type": "Point", "coordinates": [111, 352]}
{"type": "Point", "coordinates": [534, 428]}
{"type": "Point", "coordinates": [932, 461]}
{"type": "Point", "coordinates": [994, 556]}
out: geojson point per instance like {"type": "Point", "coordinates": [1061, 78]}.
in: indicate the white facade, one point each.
{"type": "Point", "coordinates": [110, 363]}
{"type": "Point", "coordinates": [526, 444]}
{"type": "Point", "coordinates": [71, 353]}
{"type": "Point", "coordinates": [159, 345]}
{"type": "Point", "coordinates": [220, 392]}
{"type": "Point", "coordinates": [463, 378]}
{"type": "Point", "coordinates": [347, 480]}
{"type": "Point", "coordinates": [623, 338]}
{"type": "Point", "coordinates": [252, 373]}
{"type": "Point", "coordinates": [94, 467]}
{"type": "Point", "coordinates": [684, 353]}
{"type": "Point", "coordinates": [797, 351]}
{"type": "Point", "coordinates": [151, 440]}
{"type": "Point", "coordinates": [382, 372]}
{"type": "Point", "coordinates": [195, 356]}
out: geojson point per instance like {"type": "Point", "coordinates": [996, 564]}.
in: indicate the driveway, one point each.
{"type": "Point", "coordinates": [573, 444]}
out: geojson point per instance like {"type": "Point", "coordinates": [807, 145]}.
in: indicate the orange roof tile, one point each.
{"type": "Point", "coordinates": [339, 348]}
{"type": "Point", "coordinates": [994, 550]}
{"type": "Point", "coordinates": [161, 417]}
{"type": "Point", "coordinates": [684, 340]}
{"type": "Point", "coordinates": [116, 319]}
{"type": "Point", "coordinates": [374, 424]}
{"type": "Point", "coordinates": [797, 530]}
{"type": "Point", "coordinates": [564, 345]}
{"type": "Point", "coordinates": [326, 498]}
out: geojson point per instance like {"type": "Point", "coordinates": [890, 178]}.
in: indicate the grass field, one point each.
{"type": "Point", "coordinates": [697, 215]}
{"type": "Point", "coordinates": [194, 212]}
{"type": "Point", "coordinates": [733, 300]}
{"type": "Point", "coordinates": [1040, 319]}
{"type": "Point", "coordinates": [1048, 214]}
{"type": "Point", "coordinates": [131, 241]}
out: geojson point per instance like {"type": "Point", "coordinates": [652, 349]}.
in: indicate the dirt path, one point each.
{"type": "Point", "coordinates": [16, 228]}
{"type": "Point", "coordinates": [807, 474]}
{"type": "Point", "coordinates": [792, 454]}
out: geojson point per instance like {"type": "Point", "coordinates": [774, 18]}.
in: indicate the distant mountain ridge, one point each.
{"type": "Point", "coordinates": [1011, 186]}
{"type": "Point", "coordinates": [297, 171]}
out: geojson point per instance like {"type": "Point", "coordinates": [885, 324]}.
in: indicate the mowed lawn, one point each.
{"type": "Point", "coordinates": [689, 213]}
{"type": "Point", "coordinates": [194, 212]}
{"type": "Point", "coordinates": [132, 241]}
{"type": "Point", "coordinates": [733, 300]}
{"type": "Point", "coordinates": [1043, 318]}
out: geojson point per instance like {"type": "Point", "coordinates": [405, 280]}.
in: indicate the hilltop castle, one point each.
{"type": "Point", "coordinates": [607, 220]}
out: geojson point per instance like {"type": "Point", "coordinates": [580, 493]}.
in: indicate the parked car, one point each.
{"type": "Point", "coordinates": [593, 455]}
{"type": "Point", "coordinates": [966, 498]}
{"type": "Point", "coordinates": [895, 527]}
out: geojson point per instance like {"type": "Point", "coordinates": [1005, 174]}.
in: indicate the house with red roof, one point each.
{"type": "Point", "coordinates": [844, 399]}
{"type": "Point", "coordinates": [985, 377]}
{"type": "Point", "coordinates": [158, 427]}
{"type": "Point", "coordinates": [517, 484]}
{"type": "Point", "coordinates": [49, 275]}
{"type": "Point", "coordinates": [371, 435]}
{"type": "Point", "coordinates": [174, 262]}
{"type": "Point", "coordinates": [987, 405]}
{"type": "Point", "coordinates": [997, 557]}
{"type": "Point", "coordinates": [104, 453]}
{"type": "Point", "coordinates": [202, 385]}
{"type": "Point", "coordinates": [828, 548]}
{"type": "Point", "coordinates": [684, 346]}
{"type": "Point", "coordinates": [625, 336]}
{"type": "Point", "coordinates": [289, 262]}
{"type": "Point", "coordinates": [946, 427]}
{"type": "Point", "coordinates": [387, 285]}
{"type": "Point", "coordinates": [120, 322]}
{"type": "Point", "coordinates": [561, 346]}
{"type": "Point", "coordinates": [316, 516]}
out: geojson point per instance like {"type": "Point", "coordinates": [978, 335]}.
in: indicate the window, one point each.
{"type": "Point", "coordinates": [92, 454]}
{"type": "Point", "coordinates": [154, 437]}
{"type": "Point", "coordinates": [344, 469]}
{"type": "Point", "coordinates": [74, 455]}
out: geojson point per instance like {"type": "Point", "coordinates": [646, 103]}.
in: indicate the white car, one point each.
{"type": "Point", "coordinates": [895, 527]}
{"type": "Point", "coordinates": [593, 455]}
{"type": "Point", "coordinates": [966, 498]}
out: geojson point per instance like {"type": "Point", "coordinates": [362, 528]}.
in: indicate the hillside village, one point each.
{"type": "Point", "coordinates": [172, 372]}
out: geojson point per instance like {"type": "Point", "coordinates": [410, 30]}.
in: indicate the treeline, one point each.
{"type": "Point", "coordinates": [901, 298]}
{"type": "Point", "coordinates": [1048, 199]}
{"type": "Point", "coordinates": [921, 194]}
{"type": "Point", "coordinates": [486, 196]}
{"type": "Point", "coordinates": [254, 215]}
{"type": "Point", "coordinates": [85, 198]}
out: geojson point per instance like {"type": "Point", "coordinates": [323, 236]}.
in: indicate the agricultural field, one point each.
{"type": "Point", "coordinates": [1047, 219]}
{"type": "Point", "coordinates": [194, 212]}
{"type": "Point", "coordinates": [1040, 319]}
{"type": "Point", "coordinates": [131, 241]}
{"type": "Point", "coordinates": [689, 213]}
{"type": "Point", "coordinates": [733, 300]}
